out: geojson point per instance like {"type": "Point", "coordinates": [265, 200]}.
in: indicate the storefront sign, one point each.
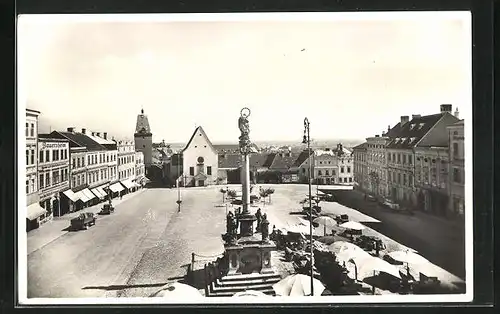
{"type": "Point", "coordinates": [54, 145]}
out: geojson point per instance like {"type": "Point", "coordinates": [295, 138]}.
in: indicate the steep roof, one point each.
{"type": "Point", "coordinates": [413, 131]}
{"type": "Point", "coordinates": [79, 140]}
{"type": "Point", "coordinates": [200, 129]}
{"type": "Point", "coordinates": [302, 157]}
{"type": "Point", "coordinates": [233, 161]}
{"type": "Point", "coordinates": [269, 160]}
{"type": "Point", "coordinates": [283, 161]}
{"type": "Point", "coordinates": [361, 146]}
{"type": "Point", "coordinates": [393, 131]}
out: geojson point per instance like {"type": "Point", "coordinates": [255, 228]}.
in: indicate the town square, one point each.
{"type": "Point", "coordinates": [184, 175]}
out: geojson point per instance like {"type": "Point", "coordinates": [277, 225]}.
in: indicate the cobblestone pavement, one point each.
{"type": "Point", "coordinates": [145, 243]}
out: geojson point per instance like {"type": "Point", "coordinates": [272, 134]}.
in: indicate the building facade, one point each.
{"type": "Point", "coordinates": [140, 171]}
{"type": "Point", "coordinates": [456, 172]}
{"type": "Point", "coordinates": [431, 178]}
{"type": "Point", "coordinates": [376, 164]}
{"type": "Point", "coordinates": [345, 165]}
{"type": "Point", "coordinates": [143, 138]}
{"type": "Point", "coordinates": [35, 214]}
{"type": "Point", "coordinates": [53, 173]}
{"type": "Point", "coordinates": [200, 160]}
{"type": "Point", "coordinates": [31, 133]}
{"type": "Point", "coordinates": [425, 136]}
{"type": "Point", "coordinates": [360, 174]}
{"type": "Point", "coordinates": [326, 167]}
{"type": "Point", "coordinates": [126, 160]}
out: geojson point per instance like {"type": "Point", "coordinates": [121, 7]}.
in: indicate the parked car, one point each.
{"type": "Point", "coordinates": [390, 204]}
{"type": "Point", "coordinates": [371, 198]}
{"type": "Point", "coordinates": [83, 221]}
{"type": "Point", "coordinates": [107, 209]}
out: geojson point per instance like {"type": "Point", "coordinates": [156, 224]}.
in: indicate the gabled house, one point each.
{"type": "Point", "coordinates": [199, 160]}
{"type": "Point", "coordinates": [300, 166]}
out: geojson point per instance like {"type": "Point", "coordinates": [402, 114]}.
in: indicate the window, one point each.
{"type": "Point", "coordinates": [41, 182]}
{"type": "Point", "coordinates": [47, 156]}
{"type": "Point", "coordinates": [399, 158]}
{"type": "Point", "coordinates": [319, 173]}
{"type": "Point", "coordinates": [404, 179]}
{"type": "Point", "coordinates": [78, 162]}
{"type": "Point", "coordinates": [410, 180]}
{"type": "Point", "coordinates": [350, 179]}
{"type": "Point", "coordinates": [79, 182]}
{"type": "Point", "coordinates": [348, 169]}
{"type": "Point", "coordinates": [191, 171]}
{"type": "Point", "coordinates": [455, 149]}
{"type": "Point", "coordinates": [88, 160]}
{"type": "Point", "coordinates": [32, 156]}
{"type": "Point", "coordinates": [62, 175]}
{"type": "Point", "coordinates": [27, 186]}
{"type": "Point", "coordinates": [74, 162]}
{"type": "Point", "coordinates": [107, 158]}
{"type": "Point", "coordinates": [333, 172]}
{"type": "Point", "coordinates": [341, 169]}
{"type": "Point", "coordinates": [27, 131]}
{"type": "Point", "coordinates": [55, 176]}
{"type": "Point", "coordinates": [410, 159]}
{"type": "Point", "coordinates": [327, 172]}
{"type": "Point", "coordinates": [66, 174]}
{"type": "Point", "coordinates": [404, 159]}
{"type": "Point", "coordinates": [41, 156]}
{"type": "Point", "coordinates": [209, 170]}
{"type": "Point", "coordinates": [27, 157]}
{"type": "Point", "coordinates": [456, 175]}
{"type": "Point", "coordinates": [399, 178]}
{"type": "Point", "coordinates": [388, 156]}
{"type": "Point", "coordinates": [32, 130]}
{"type": "Point", "coordinates": [74, 182]}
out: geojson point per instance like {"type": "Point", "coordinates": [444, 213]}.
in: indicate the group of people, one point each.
{"type": "Point", "coordinates": [232, 223]}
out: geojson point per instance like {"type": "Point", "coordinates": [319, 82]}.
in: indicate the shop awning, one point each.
{"type": "Point", "coordinates": [97, 193]}
{"type": "Point", "coordinates": [71, 195]}
{"type": "Point", "coordinates": [101, 190]}
{"type": "Point", "coordinates": [128, 184]}
{"type": "Point", "coordinates": [83, 197]}
{"type": "Point", "coordinates": [89, 194]}
{"type": "Point", "coordinates": [34, 211]}
{"type": "Point", "coordinates": [116, 187]}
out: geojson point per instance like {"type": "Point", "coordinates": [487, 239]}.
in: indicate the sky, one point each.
{"type": "Point", "coordinates": [350, 75]}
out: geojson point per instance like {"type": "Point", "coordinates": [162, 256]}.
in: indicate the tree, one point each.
{"type": "Point", "coordinates": [231, 193]}
{"type": "Point", "coordinates": [375, 181]}
{"type": "Point", "coordinates": [223, 191]}
{"type": "Point", "coordinates": [269, 192]}
{"type": "Point", "coordinates": [263, 194]}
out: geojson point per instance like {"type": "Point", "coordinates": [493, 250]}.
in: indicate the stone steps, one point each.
{"type": "Point", "coordinates": [227, 286]}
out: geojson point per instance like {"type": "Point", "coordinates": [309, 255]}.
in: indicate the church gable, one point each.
{"type": "Point", "coordinates": [199, 139]}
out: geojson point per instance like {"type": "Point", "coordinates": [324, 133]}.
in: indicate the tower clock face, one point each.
{"type": "Point", "coordinates": [201, 160]}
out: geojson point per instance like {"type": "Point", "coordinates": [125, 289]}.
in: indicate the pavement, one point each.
{"type": "Point", "coordinates": [146, 243]}
{"type": "Point", "coordinates": [58, 226]}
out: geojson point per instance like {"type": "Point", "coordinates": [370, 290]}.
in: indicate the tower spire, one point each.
{"type": "Point", "coordinates": [142, 110]}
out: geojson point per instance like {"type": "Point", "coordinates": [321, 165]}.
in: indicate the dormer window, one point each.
{"type": "Point", "coordinates": [421, 125]}
{"type": "Point", "coordinates": [412, 126]}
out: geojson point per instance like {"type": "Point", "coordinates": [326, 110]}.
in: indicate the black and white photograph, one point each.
{"type": "Point", "coordinates": [245, 158]}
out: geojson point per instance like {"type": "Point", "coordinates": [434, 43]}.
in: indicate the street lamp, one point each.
{"type": "Point", "coordinates": [179, 201]}
{"type": "Point", "coordinates": [307, 140]}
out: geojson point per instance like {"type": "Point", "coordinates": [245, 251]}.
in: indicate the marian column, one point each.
{"type": "Point", "coordinates": [245, 149]}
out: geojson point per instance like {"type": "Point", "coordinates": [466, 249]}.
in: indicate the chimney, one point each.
{"type": "Point", "coordinates": [98, 134]}
{"type": "Point", "coordinates": [71, 129]}
{"type": "Point", "coordinates": [388, 128]}
{"type": "Point", "coordinates": [105, 135]}
{"type": "Point", "coordinates": [404, 119]}
{"type": "Point", "coordinates": [414, 116]}
{"type": "Point", "coordinates": [383, 133]}
{"type": "Point", "coordinates": [377, 135]}
{"type": "Point", "coordinates": [84, 131]}
{"type": "Point", "coordinates": [93, 133]}
{"type": "Point", "coordinates": [445, 108]}
{"type": "Point", "coordinates": [457, 114]}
